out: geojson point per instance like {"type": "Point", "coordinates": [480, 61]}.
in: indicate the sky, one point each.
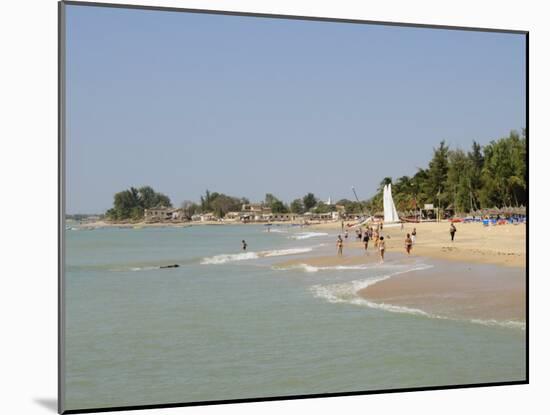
{"type": "Point", "coordinates": [246, 106]}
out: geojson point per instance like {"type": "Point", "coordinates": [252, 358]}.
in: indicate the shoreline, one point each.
{"type": "Point", "coordinates": [461, 291]}
{"type": "Point", "coordinates": [457, 290]}
{"type": "Point", "coordinates": [498, 245]}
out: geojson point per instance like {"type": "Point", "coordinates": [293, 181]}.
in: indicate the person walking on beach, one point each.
{"type": "Point", "coordinates": [366, 240]}
{"type": "Point", "coordinates": [408, 244]}
{"type": "Point", "coordinates": [346, 235]}
{"type": "Point", "coordinates": [244, 245]}
{"type": "Point", "coordinates": [342, 226]}
{"type": "Point", "coordinates": [413, 236]}
{"type": "Point", "coordinates": [382, 248]}
{"type": "Point", "coordinates": [452, 231]}
{"type": "Point", "coordinates": [340, 245]}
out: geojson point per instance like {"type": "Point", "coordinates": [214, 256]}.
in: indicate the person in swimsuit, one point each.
{"type": "Point", "coordinates": [244, 245]}
{"type": "Point", "coordinates": [382, 248]}
{"type": "Point", "coordinates": [339, 245]}
{"type": "Point", "coordinates": [413, 236]}
{"type": "Point", "coordinates": [452, 231]}
{"type": "Point", "coordinates": [366, 240]}
{"type": "Point", "coordinates": [408, 244]}
{"type": "Point", "coordinates": [346, 235]}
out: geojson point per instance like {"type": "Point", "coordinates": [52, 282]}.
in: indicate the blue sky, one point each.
{"type": "Point", "coordinates": [243, 105]}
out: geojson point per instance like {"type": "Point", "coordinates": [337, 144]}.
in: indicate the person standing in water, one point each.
{"type": "Point", "coordinates": [382, 248]}
{"type": "Point", "coordinates": [452, 231]}
{"type": "Point", "coordinates": [340, 245]}
{"type": "Point", "coordinates": [366, 240]}
{"type": "Point", "coordinates": [375, 236]}
{"type": "Point", "coordinates": [408, 244]}
{"type": "Point", "coordinates": [244, 245]}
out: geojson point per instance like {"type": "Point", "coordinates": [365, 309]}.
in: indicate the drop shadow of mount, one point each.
{"type": "Point", "coordinates": [48, 403]}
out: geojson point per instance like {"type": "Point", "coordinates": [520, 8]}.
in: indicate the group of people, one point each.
{"type": "Point", "coordinates": [375, 234]}
{"type": "Point", "coordinates": [370, 233]}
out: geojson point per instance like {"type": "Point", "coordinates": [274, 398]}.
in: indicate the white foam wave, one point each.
{"type": "Point", "coordinates": [348, 293]}
{"type": "Point", "coordinates": [126, 269]}
{"type": "Point", "coordinates": [307, 235]}
{"type": "Point", "coordinates": [225, 258]}
{"type": "Point", "coordinates": [344, 292]}
{"type": "Point", "coordinates": [311, 268]}
{"type": "Point", "coordinates": [510, 323]}
{"type": "Point", "coordinates": [290, 251]}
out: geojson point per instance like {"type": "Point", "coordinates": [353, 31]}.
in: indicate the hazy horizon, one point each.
{"type": "Point", "coordinates": [248, 106]}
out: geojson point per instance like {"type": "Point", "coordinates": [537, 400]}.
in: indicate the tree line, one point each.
{"type": "Point", "coordinates": [494, 175]}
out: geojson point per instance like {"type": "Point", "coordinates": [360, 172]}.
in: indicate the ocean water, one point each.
{"type": "Point", "coordinates": [229, 324]}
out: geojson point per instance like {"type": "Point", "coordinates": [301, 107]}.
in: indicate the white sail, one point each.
{"type": "Point", "coordinates": [390, 213]}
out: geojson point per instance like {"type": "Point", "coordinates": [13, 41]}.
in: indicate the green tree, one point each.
{"type": "Point", "coordinates": [309, 201]}
{"type": "Point", "coordinates": [131, 203]}
{"type": "Point", "coordinates": [437, 174]}
{"type": "Point", "coordinates": [297, 206]}
{"type": "Point", "coordinates": [279, 207]}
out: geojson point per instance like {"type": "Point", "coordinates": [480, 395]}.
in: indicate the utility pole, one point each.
{"type": "Point", "coordinates": [439, 204]}
{"type": "Point", "coordinates": [360, 204]}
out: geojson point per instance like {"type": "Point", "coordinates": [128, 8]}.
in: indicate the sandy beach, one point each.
{"type": "Point", "coordinates": [469, 291]}
{"type": "Point", "coordinates": [479, 276]}
{"type": "Point", "coordinates": [498, 245]}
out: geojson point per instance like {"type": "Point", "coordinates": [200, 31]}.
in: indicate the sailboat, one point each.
{"type": "Point", "coordinates": [390, 213]}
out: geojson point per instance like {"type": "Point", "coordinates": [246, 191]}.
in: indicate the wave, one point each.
{"type": "Point", "coordinates": [290, 251]}
{"type": "Point", "coordinates": [348, 293]}
{"type": "Point", "coordinates": [144, 268]}
{"type": "Point", "coordinates": [225, 258]}
{"type": "Point", "coordinates": [312, 268]}
{"type": "Point", "coordinates": [136, 269]}
{"type": "Point", "coordinates": [508, 323]}
{"type": "Point", "coordinates": [307, 235]}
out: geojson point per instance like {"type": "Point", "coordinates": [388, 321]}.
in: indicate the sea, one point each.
{"type": "Point", "coordinates": [228, 324]}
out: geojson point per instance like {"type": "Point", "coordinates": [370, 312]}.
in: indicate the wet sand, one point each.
{"type": "Point", "coordinates": [455, 290]}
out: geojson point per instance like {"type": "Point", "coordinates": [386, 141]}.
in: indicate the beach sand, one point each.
{"type": "Point", "coordinates": [498, 245]}
{"type": "Point", "coordinates": [479, 276]}
{"type": "Point", "coordinates": [469, 291]}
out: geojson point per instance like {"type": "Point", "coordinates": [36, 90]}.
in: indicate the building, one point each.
{"type": "Point", "coordinates": [158, 214]}
{"type": "Point", "coordinates": [254, 212]}
{"type": "Point", "coordinates": [232, 216]}
{"type": "Point", "coordinates": [281, 217]}
{"type": "Point", "coordinates": [163, 214]}
{"type": "Point", "coordinates": [208, 217]}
